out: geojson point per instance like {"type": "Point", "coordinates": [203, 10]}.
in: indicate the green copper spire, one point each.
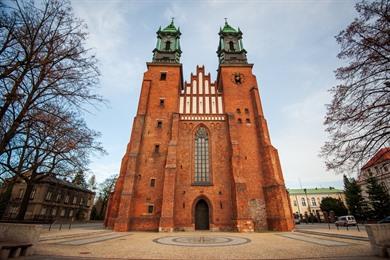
{"type": "Point", "coordinates": [227, 28]}
{"type": "Point", "coordinates": [168, 45]}
{"type": "Point", "coordinates": [230, 48]}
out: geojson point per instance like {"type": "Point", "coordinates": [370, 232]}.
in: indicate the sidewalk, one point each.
{"type": "Point", "coordinates": [100, 243]}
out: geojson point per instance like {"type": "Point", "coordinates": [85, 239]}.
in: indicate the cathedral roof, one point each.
{"type": "Point", "coordinates": [171, 28]}
{"type": "Point", "coordinates": [228, 29]}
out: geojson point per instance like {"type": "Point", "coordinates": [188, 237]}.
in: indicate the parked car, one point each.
{"type": "Point", "coordinates": [385, 220]}
{"type": "Point", "coordinates": [345, 221]}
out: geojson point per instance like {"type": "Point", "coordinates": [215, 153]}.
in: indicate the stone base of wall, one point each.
{"type": "Point", "coordinates": [26, 233]}
{"type": "Point", "coordinates": [379, 238]}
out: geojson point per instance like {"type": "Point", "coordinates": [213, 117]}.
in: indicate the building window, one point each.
{"type": "Point", "coordinates": [150, 209]}
{"type": "Point", "coordinates": [238, 111]}
{"type": "Point", "coordinates": [74, 200]}
{"type": "Point", "coordinates": [54, 212]}
{"type": "Point", "coordinates": [231, 46]}
{"type": "Point", "coordinates": [385, 168]}
{"type": "Point", "coordinates": [246, 111]}
{"type": "Point", "coordinates": [89, 201]}
{"type": "Point", "coordinates": [295, 203]}
{"type": "Point", "coordinates": [58, 198]}
{"type": "Point", "coordinates": [81, 201]}
{"type": "Point", "coordinates": [167, 45]}
{"type": "Point", "coordinates": [162, 101]}
{"type": "Point", "coordinates": [201, 154]}
{"type": "Point", "coordinates": [71, 213]}
{"type": "Point", "coordinates": [156, 148]}
{"type": "Point", "coordinates": [313, 202]}
{"type": "Point", "coordinates": [43, 211]}
{"type": "Point", "coordinates": [62, 212]}
{"type": "Point", "coordinates": [239, 121]}
{"type": "Point", "coordinates": [32, 194]}
{"type": "Point", "coordinates": [248, 121]}
{"type": "Point", "coordinates": [48, 195]}
{"type": "Point", "coordinates": [163, 76]}
{"type": "Point", "coordinates": [66, 199]}
{"type": "Point", "coordinates": [152, 182]}
{"type": "Point", "coordinates": [303, 202]}
{"type": "Point", "coordinates": [159, 124]}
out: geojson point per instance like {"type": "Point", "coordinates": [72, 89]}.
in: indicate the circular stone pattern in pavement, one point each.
{"type": "Point", "coordinates": [202, 241]}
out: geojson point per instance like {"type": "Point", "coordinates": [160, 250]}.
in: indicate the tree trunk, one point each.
{"type": "Point", "coordinates": [25, 201]}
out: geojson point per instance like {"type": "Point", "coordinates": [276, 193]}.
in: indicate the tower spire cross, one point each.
{"type": "Point", "coordinates": [225, 20]}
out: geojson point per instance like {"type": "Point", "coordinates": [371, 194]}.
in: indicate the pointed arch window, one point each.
{"type": "Point", "coordinates": [231, 46]}
{"type": "Point", "coordinates": [201, 160]}
{"type": "Point", "coordinates": [167, 45]}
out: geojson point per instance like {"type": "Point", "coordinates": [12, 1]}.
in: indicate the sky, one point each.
{"type": "Point", "coordinates": [291, 44]}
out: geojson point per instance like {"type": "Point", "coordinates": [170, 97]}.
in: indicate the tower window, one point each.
{"type": "Point", "coordinates": [201, 154]}
{"type": "Point", "coordinates": [231, 46]}
{"type": "Point", "coordinates": [150, 209]}
{"type": "Point", "coordinates": [239, 121]}
{"type": "Point", "coordinates": [152, 182]}
{"type": "Point", "coordinates": [167, 45]}
{"type": "Point", "coordinates": [162, 102]}
{"type": "Point", "coordinates": [248, 121]}
{"type": "Point", "coordinates": [159, 124]}
{"type": "Point", "coordinates": [156, 148]}
{"type": "Point", "coordinates": [246, 111]}
{"type": "Point", "coordinates": [238, 111]}
{"type": "Point", "coordinates": [163, 76]}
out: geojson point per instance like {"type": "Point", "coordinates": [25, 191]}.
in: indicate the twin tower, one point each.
{"type": "Point", "coordinates": [200, 155]}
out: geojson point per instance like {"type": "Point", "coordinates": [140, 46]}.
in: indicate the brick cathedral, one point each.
{"type": "Point", "coordinates": [200, 155]}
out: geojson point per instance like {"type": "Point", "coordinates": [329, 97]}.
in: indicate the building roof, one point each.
{"type": "Point", "coordinates": [314, 191]}
{"type": "Point", "coordinates": [228, 29]}
{"type": "Point", "coordinates": [382, 155]}
{"type": "Point", "coordinates": [54, 180]}
{"type": "Point", "coordinates": [171, 28]}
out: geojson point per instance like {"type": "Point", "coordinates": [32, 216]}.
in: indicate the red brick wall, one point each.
{"type": "Point", "coordinates": [247, 191]}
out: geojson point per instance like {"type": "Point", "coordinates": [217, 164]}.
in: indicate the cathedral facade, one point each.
{"type": "Point", "coordinates": [200, 155]}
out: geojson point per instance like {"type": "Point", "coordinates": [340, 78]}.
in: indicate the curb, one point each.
{"type": "Point", "coordinates": [332, 235]}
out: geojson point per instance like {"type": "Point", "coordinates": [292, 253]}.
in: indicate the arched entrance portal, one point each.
{"type": "Point", "coordinates": [202, 215]}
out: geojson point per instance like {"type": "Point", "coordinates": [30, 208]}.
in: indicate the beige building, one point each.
{"type": "Point", "coordinates": [379, 167]}
{"type": "Point", "coordinates": [309, 200]}
{"type": "Point", "coordinates": [51, 199]}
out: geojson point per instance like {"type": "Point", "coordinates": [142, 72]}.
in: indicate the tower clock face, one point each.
{"type": "Point", "coordinates": [238, 78]}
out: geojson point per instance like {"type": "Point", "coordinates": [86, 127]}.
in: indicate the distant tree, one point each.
{"type": "Point", "coordinates": [92, 183]}
{"type": "Point", "coordinates": [79, 179]}
{"type": "Point", "coordinates": [50, 146]}
{"type": "Point", "coordinates": [46, 78]}
{"type": "Point", "coordinates": [105, 189]}
{"type": "Point", "coordinates": [358, 118]}
{"type": "Point", "coordinates": [331, 204]}
{"type": "Point", "coordinates": [354, 199]}
{"type": "Point", "coordinates": [379, 199]}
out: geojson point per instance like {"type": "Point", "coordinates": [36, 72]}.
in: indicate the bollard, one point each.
{"type": "Point", "coordinates": [60, 226]}
{"type": "Point", "coordinates": [50, 226]}
{"type": "Point", "coordinates": [347, 227]}
{"type": "Point", "coordinates": [70, 225]}
{"type": "Point", "coordinates": [357, 225]}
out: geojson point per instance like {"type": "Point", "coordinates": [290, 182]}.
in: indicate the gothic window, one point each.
{"type": "Point", "coordinates": [163, 76]}
{"type": "Point", "coordinates": [167, 45]}
{"type": "Point", "coordinates": [303, 202]}
{"type": "Point", "coordinates": [231, 46]}
{"type": "Point", "coordinates": [201, 153]}
{"type": "Point", "coordinates": [313, 202]}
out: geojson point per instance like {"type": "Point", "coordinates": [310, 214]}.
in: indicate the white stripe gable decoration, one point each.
{"type": "Point", "coordinates": [200, 96]}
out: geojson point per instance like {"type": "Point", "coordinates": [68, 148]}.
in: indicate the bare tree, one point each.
{"type": "Point", "coordinates": [56, 144]}
{"type": "Point", "coordinates": [358, 118]}
{"type": "Point", "coordinates": [42, 60]}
